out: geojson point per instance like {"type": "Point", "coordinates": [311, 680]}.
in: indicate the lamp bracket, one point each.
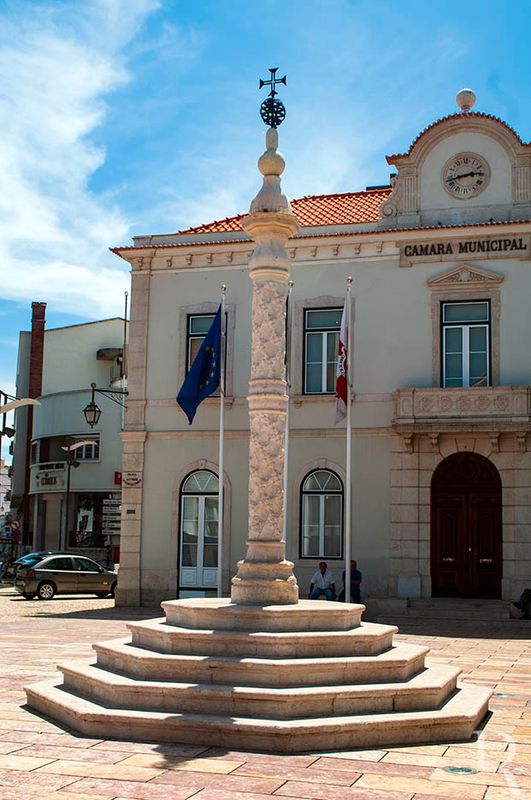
{"type": "Point", "coordinates": [115, 395]}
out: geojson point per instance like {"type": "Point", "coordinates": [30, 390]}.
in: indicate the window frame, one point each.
{"type": "Point", "coordinates": [460, 283]}
{"type": "Point", "coordinates": [199, 494]}
{"type": "Point", "coordinates": [205, 309]}
{"type": "Point", "coordinates": [324, 351]}
{"type": "Point", "coordinates": [338, 493]}
{"type": "Point", "coordinates": [465, 341]}
{"type": "Point", "coordinates": [190, 337]}
{"type": "Point", "coordinates": [81, 453]}
{"type": "Point", "coordinates": [35, 452]}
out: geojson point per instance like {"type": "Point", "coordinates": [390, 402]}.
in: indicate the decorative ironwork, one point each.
{"type": "Point", "coordinates": [272, 110]}
{"type": "Point", "coordinates": [92, 411]}
{"type": "Point", "coordinates": [272, 82]}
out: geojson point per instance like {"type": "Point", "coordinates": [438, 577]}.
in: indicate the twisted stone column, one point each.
{"type": "Point", "coordinates": [264, 576]}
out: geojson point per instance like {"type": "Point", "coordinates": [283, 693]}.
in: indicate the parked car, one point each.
{"type": "Point", "coordinates": [11, 568]}
{"type": "Point", "coordinates": [64, 574]}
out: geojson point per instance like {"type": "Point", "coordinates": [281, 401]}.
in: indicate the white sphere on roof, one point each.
{"type": "Point", "coordinates": [465, 99]}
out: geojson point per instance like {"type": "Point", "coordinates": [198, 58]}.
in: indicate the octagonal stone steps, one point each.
{"type": "Point", "coordinates": [428, 689]}
{"type": "Point", "coordinates": [396, 664]}
{"type": "Point", "coordinates": [456, 721]}
{"type": "Point", "coordinates": [363, 640]}
{"type": "Point", "coordinates": [282, 679]}
{"type": "Point", "coordinates": [306, 615]}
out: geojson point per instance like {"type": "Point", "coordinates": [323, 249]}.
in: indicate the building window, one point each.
{"type": "Point", "coordinates": [321, 515]}
{"type": "Point", "coordinates": [199, 530]}
{"type": "Point", "coordinates": [465, 344]}
{"type": "Point", "coordinates": [321, 341]}
{"type": "Point", "coordinates": [89, 452]}
{"type": "Point", "coordinates": [198, 327]}
{"type": "Point", "coordinates": [34, 453]}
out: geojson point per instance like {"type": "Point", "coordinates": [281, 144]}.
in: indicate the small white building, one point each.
{"type": "Point", "coordinates": [441, 268]}
{"type": "Point", "coordinates": [73, 357]}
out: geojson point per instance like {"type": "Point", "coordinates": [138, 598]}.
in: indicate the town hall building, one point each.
{"type": "Point", "coordinates": [441, 335]}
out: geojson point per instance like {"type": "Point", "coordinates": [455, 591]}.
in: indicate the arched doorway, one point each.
{"type": "Point", "coordinates": [466, 527]}
{"type": "Point", "coordinates": [198, 552]}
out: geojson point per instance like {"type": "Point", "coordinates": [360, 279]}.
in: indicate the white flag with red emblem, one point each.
{"type": "Point", "coordinates": [342, 369]}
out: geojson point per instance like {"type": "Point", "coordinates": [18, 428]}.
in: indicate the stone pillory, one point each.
{"type": "Point", "coordinates": [264, 670]}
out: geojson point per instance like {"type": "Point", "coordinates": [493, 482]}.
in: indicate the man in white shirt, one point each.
{"type": "Point", "coordinates": [322, 582]}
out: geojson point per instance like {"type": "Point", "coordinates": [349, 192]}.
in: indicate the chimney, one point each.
{"type": "Point", "coordinates": [37, 349]}
{"type": "Point", "coordinates": [36, 359]}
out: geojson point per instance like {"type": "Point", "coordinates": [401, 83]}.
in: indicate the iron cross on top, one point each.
{"type": "Point", "coordinates": [273, 82]}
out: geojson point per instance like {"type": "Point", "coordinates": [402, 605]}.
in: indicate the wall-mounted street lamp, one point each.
{"type": "Point", "coordinates": [92, 411]}
{"type": "Point", "coordinates": [70, 462]}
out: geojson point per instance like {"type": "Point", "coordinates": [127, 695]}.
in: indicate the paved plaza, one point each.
{"type": "Point", "coordinates": [39, 759]}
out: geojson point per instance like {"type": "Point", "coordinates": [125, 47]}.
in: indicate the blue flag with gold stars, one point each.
{"type": "Point", "coordinates": [204, 374]}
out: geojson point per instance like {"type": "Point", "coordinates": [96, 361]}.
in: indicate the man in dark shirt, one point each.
{"type": "Point", "coordinates": [355, 581]}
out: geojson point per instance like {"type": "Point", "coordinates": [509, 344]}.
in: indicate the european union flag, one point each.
{"type": "Point", "coordinates": [204, 374]}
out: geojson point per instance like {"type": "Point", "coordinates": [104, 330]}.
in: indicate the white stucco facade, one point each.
{"type": "Point", "coordinates": [426, 250]}
{"type": "Point", "coordinates": [74, 357]}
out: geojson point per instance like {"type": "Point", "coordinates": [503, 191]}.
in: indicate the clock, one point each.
{"type": "Point", "coordinates": [465, 175]}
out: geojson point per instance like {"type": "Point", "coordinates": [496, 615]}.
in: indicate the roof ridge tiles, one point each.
{"type": "Point", "coordinates": [339, 208]}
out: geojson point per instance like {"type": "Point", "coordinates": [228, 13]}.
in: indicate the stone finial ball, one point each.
{"type": "Point", "coordinates": [465, 99]}
{"type": "Point", "coordinates": [271, 163]}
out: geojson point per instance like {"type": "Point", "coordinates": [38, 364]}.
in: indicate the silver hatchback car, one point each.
{"type": "Point", "coordinates": [65, 574]}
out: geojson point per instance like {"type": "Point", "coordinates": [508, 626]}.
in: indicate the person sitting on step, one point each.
{"type": "Point", "coordinates": [523, 604]}
{"type": "Point", "coordinates": [355, 580]}
{"type": "Point", "coordinates": [322, 582]}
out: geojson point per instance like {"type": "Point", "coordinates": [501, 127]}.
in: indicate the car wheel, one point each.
{"type": "Point", "coordinates": [28, 595]}
{"type": "Point", "coordinates": [113, 590]}
{"type": "Point", "coordinates": [46, 591]}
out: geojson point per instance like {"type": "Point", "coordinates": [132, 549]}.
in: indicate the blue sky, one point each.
{"type": "Point", "coordinates": [122, 117]}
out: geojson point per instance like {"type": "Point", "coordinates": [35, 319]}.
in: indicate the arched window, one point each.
{"type": "Point", "coordinates": [322, 515]}
{"type": "Point", "coordinates": [199, 531]}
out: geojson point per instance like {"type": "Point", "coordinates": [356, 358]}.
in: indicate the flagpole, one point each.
{"type": "Point", "coordinates": [221, 440]}
{"type": "Point", "coordinates": [288, 389]}
{"type": "Point", "coordinates": [348, 488]}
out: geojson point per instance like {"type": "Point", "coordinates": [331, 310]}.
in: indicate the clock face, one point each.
{"type": "Point", "coordinates": [465, 175]}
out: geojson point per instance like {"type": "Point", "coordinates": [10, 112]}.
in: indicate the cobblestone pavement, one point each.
{"type": "Point", "coordinates": [39, 759]}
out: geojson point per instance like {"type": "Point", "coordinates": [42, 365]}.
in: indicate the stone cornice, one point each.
{"type": "Point", "coordinates": [347, 247]}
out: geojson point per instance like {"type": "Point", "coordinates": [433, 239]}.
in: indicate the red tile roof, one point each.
{"type": "Point", "coordinates": [350, 208]}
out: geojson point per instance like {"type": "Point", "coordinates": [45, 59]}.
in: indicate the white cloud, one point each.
{"type": "Point", "coordinates": [59, 61]}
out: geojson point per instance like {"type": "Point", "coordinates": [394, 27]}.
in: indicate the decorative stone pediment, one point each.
{"type": "Point", "coordinates": [466, 276]}
{"type": "Point", "coordinates": [419, 195]}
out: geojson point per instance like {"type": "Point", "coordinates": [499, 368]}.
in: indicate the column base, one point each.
{"type": "Point", "coordinates": [264, 583]}
{"type": "Point", "coordinates": [258, 592]}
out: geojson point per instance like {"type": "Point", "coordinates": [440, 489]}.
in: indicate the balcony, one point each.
{"type": "Point", "coordinates": [491, 408]}
{"type": "Point", "coordinates": [48, 477]}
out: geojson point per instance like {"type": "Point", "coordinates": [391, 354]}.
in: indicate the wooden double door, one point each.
{"type": "Point", "coordinates": [466, 528]}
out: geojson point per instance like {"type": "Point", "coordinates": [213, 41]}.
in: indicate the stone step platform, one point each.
{"type": "Point", "coordinates": [213, 613]}
{"type": "Point", "coordinates": [441, 609]}
{"type": "Point", "coordinates": [428, 689]}
{"type": "Point", "coordinates": [363, 640]}
{"type": "Point", "coordinates": [455, 721]}
{"type": "Point", "coordinates": [396, 664]}
{"type": "Point", "coordinates": [280, 679]}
